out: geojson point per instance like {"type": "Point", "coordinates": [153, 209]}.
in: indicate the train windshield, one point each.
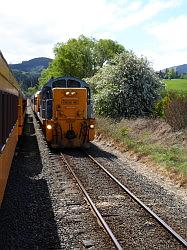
{"type": "Point", "coordinates": [70, 83]}
{"type": "Point", "coordinates": [73, 84]}
{"type": "Point", "coordinates": [59, 84]}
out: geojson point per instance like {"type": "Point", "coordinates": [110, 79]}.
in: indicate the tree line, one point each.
{"type": "Point", "coordinates": [124, 85]}
{"type": "Point", "coordinates": [171, 73]}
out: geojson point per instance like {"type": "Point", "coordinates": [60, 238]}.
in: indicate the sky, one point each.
{"type": "Point", "coordinates": [156, 29]}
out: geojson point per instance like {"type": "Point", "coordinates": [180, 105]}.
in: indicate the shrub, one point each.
{"type": "Point", "coordinates": [127, 87]}
{"type": "Point", "coordinates": [160, 106]}
{"type": "Point", "coordinates": [176, 110]}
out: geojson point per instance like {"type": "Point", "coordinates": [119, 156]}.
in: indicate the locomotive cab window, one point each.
{"type": "Point", "coordinates": [59, 84]}
{"type": "Point", "coordinates": [73, 84]}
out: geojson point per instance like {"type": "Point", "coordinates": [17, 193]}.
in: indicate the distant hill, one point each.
{"type": "Point", "coordinates": [180, 69]}
{"type": "Point", "coordinates": [35, 64]}
{"type": "Point", "coordinates": [28, 72]}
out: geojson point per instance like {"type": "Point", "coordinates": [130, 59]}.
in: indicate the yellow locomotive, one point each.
{"type": "Point", "coordinates": [12, 112]}
{"type": "Point", "coordinates": [65, 108]}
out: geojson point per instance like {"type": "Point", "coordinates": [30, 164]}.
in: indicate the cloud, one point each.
{"type": "Point", "coordinates": [171, 34]}
{"type": "Point", "coordinates": [170, 43]}
{"type": "Point", "coordinates": [165, 59]}
{"type": "Point", "coordinates": [31, 28]}
{"type": "Point", "coordinates": [137, 13]}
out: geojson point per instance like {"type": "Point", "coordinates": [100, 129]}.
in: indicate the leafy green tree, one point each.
{"type": "Point", "coordinates": [161, 74]}
{"type": "Point", "coordinates": [30, 91]}
{"type": "Point", "coordinates": [166, 73]}
{"type": "Point", "coordinates": [127, 87]}
{"type": "Point", "coordinates": [80, 57]}
{"type": "Point", "coordinates": [183, 76]}
{"type": "Point", "coordinates": [106, 49]}
{"type": "Point", "coordinates": [26, 79]}
{"type": "Point", "coordinates": [171, 74]}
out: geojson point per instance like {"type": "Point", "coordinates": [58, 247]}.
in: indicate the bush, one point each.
{"type": "Point", "coordinates": [160, 106]}
{"type": "Point", "coordinates": [176, 110]}
{"type": "Point", "coordinates": [127, 87]}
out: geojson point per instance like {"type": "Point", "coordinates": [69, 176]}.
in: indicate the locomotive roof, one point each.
{"type": "Point", "coordinates": [49, 84]}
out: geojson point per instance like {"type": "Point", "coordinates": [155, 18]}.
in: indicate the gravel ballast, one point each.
{"type": "Point", "coordinates": [43, 208]}
{"type": "Point", "coordinates": [132, 226]}
{"type": "Point", "coordinates": [164, 198]}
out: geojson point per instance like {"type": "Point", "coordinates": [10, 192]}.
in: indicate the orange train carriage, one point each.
{"type": "Point", "coordinates": [12, 112]}
{"type": "Point", "coordinates": [65, 108]}
{"type": "Point", "coordinates": [35, 102]}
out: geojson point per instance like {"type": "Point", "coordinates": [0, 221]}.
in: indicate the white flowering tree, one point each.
{"type": "Point", "coordinates": [126, 87]}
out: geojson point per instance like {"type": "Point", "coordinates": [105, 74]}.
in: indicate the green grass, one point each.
{"type": "Point", "coordinates": [176, 84]}
{"type": "Point", "coordinates": [170, 157]}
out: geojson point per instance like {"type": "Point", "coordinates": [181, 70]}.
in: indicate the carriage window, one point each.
{"type": "Point", "coordinates": [8, 115]}
{"type": "Point", "coordinates": [1, 121]}
{"type": "Point", "coordinates": [4, 117]}
{"type": "Point", "coordinates": [59, 84]}
{"type": "Point", "coordinates": [73, 84]}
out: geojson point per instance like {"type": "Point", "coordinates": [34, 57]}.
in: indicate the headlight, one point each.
{"type": "Point", "coordinates": [49, 126]}
{"type": "Point", "coordinates": [67, 93]}
{"type": "Point", "coordinates": [92, 126]}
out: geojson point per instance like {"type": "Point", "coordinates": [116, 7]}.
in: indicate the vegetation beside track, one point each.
{"type": "Point", "coordinates": [150, 139]}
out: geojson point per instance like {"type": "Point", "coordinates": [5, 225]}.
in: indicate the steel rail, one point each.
{"type": "Point", "coordinates": [95, 210]}
{"type": "Point", "coordinates": [155, 216]}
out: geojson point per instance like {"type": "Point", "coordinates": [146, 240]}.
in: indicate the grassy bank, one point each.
{"type": "Point", "coordinates": [176, 84]}
{"type": "Point", "coordinates": [149, 138]}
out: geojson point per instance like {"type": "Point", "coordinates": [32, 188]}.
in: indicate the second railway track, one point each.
{"type": "Point", "coordinates": [130, 225]}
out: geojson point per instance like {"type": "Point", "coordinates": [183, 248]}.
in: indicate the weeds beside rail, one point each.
{"type": "Point", "coordinates": [171, 157]}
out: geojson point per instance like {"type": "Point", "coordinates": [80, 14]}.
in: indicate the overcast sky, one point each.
{"type": "Point", "coordinates": [156, 29]}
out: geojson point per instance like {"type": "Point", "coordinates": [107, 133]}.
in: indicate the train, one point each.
{"type": "Point", "coordinates": [12, 113]}
{"type": "Point", "coordinates": [64, 107]}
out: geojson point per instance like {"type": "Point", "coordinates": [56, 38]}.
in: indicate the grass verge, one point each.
{"type": "Point", "coordinates": [169, 156]}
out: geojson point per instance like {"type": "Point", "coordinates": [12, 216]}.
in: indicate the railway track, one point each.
{"type": "Point", "coordinates": [48, 210]}
{"type": "Point", "coordinates": [174, 241]}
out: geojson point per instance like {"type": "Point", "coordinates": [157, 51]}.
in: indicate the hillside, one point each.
{"type": "Point", "coordinates": [35, 64]}
{"type": "Point", "coordinates": [28, 72]}
{"type": "Point", "coordinates": [180, 69]}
